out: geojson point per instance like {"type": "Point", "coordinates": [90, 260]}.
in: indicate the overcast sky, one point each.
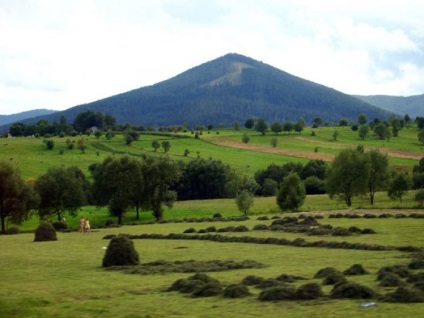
{"type": "Point", "coordinates": [58, 54]}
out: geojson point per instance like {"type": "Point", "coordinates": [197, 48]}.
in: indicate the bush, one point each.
{"type": "Point", "coordinates": [309, 291]}
{"type": "Point", "coordinates": [190, 230]}
{"type": "Point", "coordinates": [352, 290]}
{"type": "Point", "coordinates": [278, 293]}
{"type": "Point", "coordinates": [120, 252]}
{"type": "Point", "coordinates": [405, 295]}
{"type": "Point", "coordinates": [12, 230]}
{"type": "Point", "coordinates": [236, 291]}
{"type": "Point", "coordinates": [252, 280]}
{"type": "Point", "coordinates": [217, 216]}
{"type": "Point", "coordinates": [45, 232]}
{"type": "Point", "coordinates": [60, 225]}
{"type": "Point", "coordinates": [399, 270]}
{"type": "Point", "coordinates": [355, 269]}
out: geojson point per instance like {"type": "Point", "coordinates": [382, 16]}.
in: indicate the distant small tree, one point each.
{"type": "Point", "coordinates": [343, 122]}
{"type": "Point", "coordinates": [292, 193]}
{"type": "Point", "coordinates": [128, 139]}
{"type": "Point", "coordinates": [236, 125]}
{"type": "Point", "coordinates": [245, 138]}
{"type": "Point", "coordinates": [166, 145]}
{"type": "Point", "coordinates": [274, 142]}
{"type": "Point", "coordinates": [276, 127]}
{"type": "Point", "coordinates": [419, 197]}
{"type": "Point", "coordinates": [244, 201]}
{"type": "Point", "coordinates": [421, 136]}
{"type": "Point", "coordinates": [155, 144]}
{"type": "Point", "coordinates": [69, 144]}
{"type": "Point", "coordinates": [400, 185]}
{"type": "Point", "coordinates": [81, 145]}
{"type": "Point", "coordinates": [363, 131]}
{"type": "Point", "coordinates": [317, 121]}
{"type": "Point", "coordinates": [261, 126]}
{"type": "Point", "coordinates": [98, 134]}
{"type": "Point", "coordinates": [249, 123]}
{"type": "Point", "coordinates": [381, 130]}
{"type": "Point", "coordinates": [186, 152]}
{"type": "Point", "coordinates": [335, 135]}
{"type": "Point", "coordinates": [49, 143]}
{"type": "Point", "coordinates": [288, 127]}
{"type": "Point", "coordinates": [407, 120]}
{"type": "Point", "coordinates": [362, 119]}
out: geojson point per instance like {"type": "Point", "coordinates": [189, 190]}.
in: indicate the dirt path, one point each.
{"type": "Point", "coordinates": [277, 151]}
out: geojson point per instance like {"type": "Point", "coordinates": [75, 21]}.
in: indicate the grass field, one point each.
{"type": "Point", "coordinates": [64, 278]}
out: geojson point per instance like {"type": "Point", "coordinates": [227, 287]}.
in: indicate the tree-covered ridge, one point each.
{"type": "Point", "coordinates": [228, 89]}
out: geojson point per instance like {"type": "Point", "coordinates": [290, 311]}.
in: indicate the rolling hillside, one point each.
{"type": "Point", "coordinates": [227, 89]}
{"type": "Point", "coordinates": [411, 105]}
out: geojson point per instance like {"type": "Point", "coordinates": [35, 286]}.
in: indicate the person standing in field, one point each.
{"type": "Point", "coordinates": [82, 224]}
{"type": "Point", "coordinates": [87, 227]}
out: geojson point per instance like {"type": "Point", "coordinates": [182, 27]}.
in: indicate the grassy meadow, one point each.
{"type": "Point", "coordinates": [64, 278]}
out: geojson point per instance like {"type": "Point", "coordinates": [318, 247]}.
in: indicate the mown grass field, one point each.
{"type": "Point", "coordinates": [65, 278]}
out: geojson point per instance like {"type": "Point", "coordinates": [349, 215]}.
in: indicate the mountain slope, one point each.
{"type": "Point", "coordinates": [227, 89]}
{"type": "Point", "coordinates": [8, 119]}
{"type": "Point", "coordinates": [411, 105]}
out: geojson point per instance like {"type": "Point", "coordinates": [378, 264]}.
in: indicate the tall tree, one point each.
{"type": "Point", "coordinates": [348, 175]}
{"type": "Point", "coordinates": [159, 175]}
{"type": "Point", "coordinates": [363, 131]}
{"type": "Point", "coordinates": [16, 196]}
{"type": "Point", "coordinates": [118, 184]}
{"type": "Point", "coordinates": [244, 201]}
{"type": "Point", "coordinates": [362, 119]}
{"type": "Point", "coordinates": [292, 193]}
{"type": "Point", "coordinates": [249, 123]}
{"type": "Point", "coordinates": [378, 173]}
{"type": "Point", "coordinates": [401, 183]}
{"type": "Point", "coordinates": [261, 126]}
{"type": "Point", "coordinates": [276, 127]}
{"type": "Point", "coordinates": [60, 190]}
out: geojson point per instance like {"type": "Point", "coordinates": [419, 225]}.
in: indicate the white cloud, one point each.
{"type": "Point", "coordinates": [57, 54]}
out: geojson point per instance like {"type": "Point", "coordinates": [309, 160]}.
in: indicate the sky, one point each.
{"type": "Point", "coordinates": [59, 54]}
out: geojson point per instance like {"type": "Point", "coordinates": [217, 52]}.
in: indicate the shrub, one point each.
{"type": "Point", "coordinates": [217, 216]}
{"type": "Point", "coordinates": [309, 291]}
{"type": "Point", "coordinates": [352, 290]}
{"type": "Point", "coordinates": [355, 269]}
{"type": "Point", "coordinates": [252, 280]}
{"type": "Point", "coordinates": [278, 293]}
{"type": "Point", "coordinates": [60, 225]}
{"type": "Point", "coordinates": [190, 230]}
{"type": "Point", "coordinates": [185, 285]}
{"type": "Point", "coordinates": [12, 230]}
{"type": "Point", "coordinates": [120, 252]}
{"type": "Point", "coordinates": [45, 232]}
{"type": "Point", "coordinates": [236, 291]}
{"type": "Point", "coordinates": [391, 280]}
{"type": "Point", "coordinates": [405, 295]}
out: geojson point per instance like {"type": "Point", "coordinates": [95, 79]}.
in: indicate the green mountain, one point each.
{"type": "Point", "coordinates": [411, 105]}
{"type": "Point", "coordinates": [9, 119]}
{"type": "Point", "coordinates": [228, 89]}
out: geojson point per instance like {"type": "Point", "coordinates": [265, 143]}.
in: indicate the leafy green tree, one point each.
{"type": "Point", "coordinates": [378, 173]}
{"type": "Point", "coordinates": [186, 152]}
{"type": "Point", "coordinates": [381, 130]}
{"type": "Point", "coordinates": [128, 139]}
{"type": "Point", "coordinates": [98, 133]}
{"type": "Point", "coordinates": [407, 120]}
{"type": "Point", "coordinates": [396, 125]}
{"type": "Point", "coordinates": [335, 135]}
{"type": "Point", "coordinates": [362, 119]}
{"type": "Point", "coordinates": [118, 184]}
{"type": "Point", "coordinates": [166, 145]}
{"type": "Point", "coordinates": [16, 196]}
{"type": "Point", "coordinates": [363, 131]}
{"type": "Point", "coordinates": [261, 126]}
{"type": "Point", "coordinates": [348, 175]}
{"type": "Point", "coordinates": [60, 190]}
{"type": "Point", "coordinates": [288, 127]}
{"type": "Point", "coordinates": [292, 193]}
{"type": "Point", "coordinates": [401, 183]}
{"type": "Point", "coordinates": [274, 142]}
{"type": "Point", "coordinates": [245, 138]}
{"type": "Point", "coordinates": [244, 201]}
{"type": "Point", "coordinates": [49, 143]}
{"type": "Point", "coordinates": [314, 167]}
{"type": "Point", "coordinates": [249, 123]}
{"type": "Point", "coordinates": [419, 197]}
{"type": "Point", "coordinates": [160, 174]}
{"type": "Point", "coordinates": [276, 128]}
{"type": "Point", "coordinates": [155, 144]}
{"type": "Point", "coordinates": [236, 125]}
{"type": "Point", "coordinates": [81, 145]}
{"type": "Point", "coordinates": [418, 175]}
{"type": "Point", "coordinates": [343, 122]}
{"type": "Point", "coordinates": [421, 136]}
{"type": "Point", "coordinates": [109, 134]}
{"type": "Point", "coordinates": [317, 121]}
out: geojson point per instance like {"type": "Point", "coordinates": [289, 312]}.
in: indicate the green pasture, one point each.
{"type": "Point", "coordinates": [64, 278]}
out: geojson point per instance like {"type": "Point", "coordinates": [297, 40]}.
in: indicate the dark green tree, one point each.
{"type": "Point", "coordinates": [166, 145]}
{"type": "Point", "coordinates": [401, 183]}
{"type": "Point", "coordinates": [160, 174]}
{"type": "Point", "coordinates": [381, 130]}
{"type": "Point", "coordinates": [292, 193]}
{"type": "Point", "coordinates": [378, 173]}
{"type": "Point", "coordinates": [155, 144]}
{"type": "Point", "coordinates": [245, 138]}
{"type": "Point", "coordinates": [348, 175]}
{"type": "Point", "coordinates": [421, 136]}
{"type": "Point", "coordinates": [317, 121]}
{"type": "Point", "coordinates": [274, 142]}
{"type": "Point", "coordinates": [249, 123]}
{"type": "Point", "coordinates": [362, 119]}
{"type": "Point", "coordinates": [261, 126]}
{"type": "Point", "coordinates": [288, 127]}
{"type": "Point", "coordinates": [363, 131]}
{"type": "Point", "coordinates": [61, 190]}
{"type": "Point", "coordinates": [276, 128]}
{"type": "Point", "coordinates": [16, 196]}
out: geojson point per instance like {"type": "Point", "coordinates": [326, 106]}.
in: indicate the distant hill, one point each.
{"type": "Point", "coordinates": [411, 105]}
{"type": "Point", "coordinates": [228, 89]}
{"type": "Point", "coordinates": [9, 119]}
